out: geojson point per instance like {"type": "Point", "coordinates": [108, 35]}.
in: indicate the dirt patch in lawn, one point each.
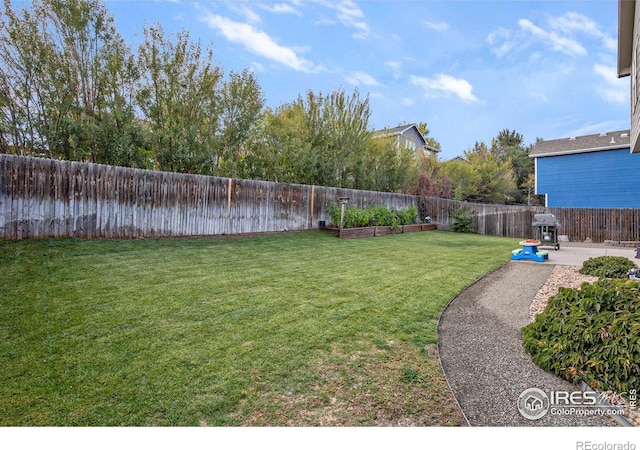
{"type": "Point", "coordinates": [388, 384]}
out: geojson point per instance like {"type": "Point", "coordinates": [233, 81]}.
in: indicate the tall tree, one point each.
{"type": "Point", "coordinates": [387, 168]}
{"type": "Point", "coordinates": [281, 148]}
{"type": "Point", "coordinates": [509, 146]}
{"type": "Point", "coordinates": [180, 101]}
{"type": "Point", "coordinates": [492, 179]}
{"type": "Point", "coordinates": [26, 53]}
{"type": "Point", "coordinates": [339, 126]}
{"type": "Point", "coordinates": [325, 140]}
{"type": "Point", "coordinates": [505, 140]}
{"type": "Point", "coordinates": [67, 83]}
{"type": "Point", "coordinates": [241, 106]}
{"type": "Point", "coordinates": [434, 180]}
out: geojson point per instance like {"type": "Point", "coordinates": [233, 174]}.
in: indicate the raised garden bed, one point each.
{"type": "Point", "coordinates": [359, 232]}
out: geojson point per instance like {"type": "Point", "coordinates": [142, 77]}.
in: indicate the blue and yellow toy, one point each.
{"type": "Point", "coordinates": [530, 250]}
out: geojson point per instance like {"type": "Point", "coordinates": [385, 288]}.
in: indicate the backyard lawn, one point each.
{"type": "Point", "coordinates": [296, 329]}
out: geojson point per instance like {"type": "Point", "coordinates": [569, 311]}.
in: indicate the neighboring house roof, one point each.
{"type": "Point", "coordinates": [401, 130]}
{"type": "Point", "coordinates": [582, 144]}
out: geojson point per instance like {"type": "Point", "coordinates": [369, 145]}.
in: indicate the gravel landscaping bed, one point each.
{"type": "Point", "coordinates": [561, 276]}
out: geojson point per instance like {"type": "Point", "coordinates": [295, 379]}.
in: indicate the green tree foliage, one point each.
{"type": "Point", "coordinates": [70, 88]}
{"type": "Point", "coordinates": [325, 140]}
{"type": "Point", "coordinates": [508, 146]}
{"type": "Point", "coordinates": [281, 148]}
{"type": "Point", "coordinates": [492, 179]}
{"type": "Point", "coordinates": [478, 177]}
{"type": "Point", "coordinates": [241, 105]}
{"type": "Point", "coordinates": [434, 178]}
{"type": "Point", "coordinates": [483, 175]}
{"type": "Point", "coordinates": [388, 168]}
{"type": "Point", "coordinates": [66, 84]}
{"type": "Point", "coordinates": [339, 134]}
{"type": "Point", "coordinates": [506, 139]}
{"type": "Point", "coordinates": [179, 99]}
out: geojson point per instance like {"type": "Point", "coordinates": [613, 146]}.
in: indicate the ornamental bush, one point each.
{"type": "Point", "coordinates": [463, 221]}
{"type": "Point", "coordinates": [607, 266]}
{"type": "Point", "coordinates": [590, 334]}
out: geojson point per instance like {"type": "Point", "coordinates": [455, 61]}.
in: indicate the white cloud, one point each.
{"type": "Point", "coordinates": [501, 40]}
{"type": "Point", "coordinates": [562, 34]}
{"type": "Point", "coordinates": [352, 16]}
{"type": "Point", "coordinates": [257, 67]}
{"type": "Point", "coordinates": [574, 22]}
{"type": "Point", "coordinates": [259, 43]}
{"type": "Point", "coordinates": [408, 101]}
{"type": "Point", "coordinates": [361, 78]}
{"type": "Point", "coordinates": [443, 85]}
{"type": "Point", "coordinates": [558, 43]}
{"type": "Point", "coordinates": [600, 127]}
{"type": "Point", "coordinates": [394, 66]}
{"type": "Point", "coordinates": [608, 73]}
{"type": "Point", "coordinates": [615, 90]}
{"type": "Point", "coordinates": [281, 8]}
{"type": "Point", "coordinates": [249, 15]}
{"type": "Point", "coordinates": [437, 26]}
{"type": "Point", "coordinates": [349, 15]}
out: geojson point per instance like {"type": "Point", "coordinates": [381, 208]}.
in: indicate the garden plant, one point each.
{"type": "Point", "coordinates": [592, 334]}
{"type": "Point", "coordinates": [373, 216]}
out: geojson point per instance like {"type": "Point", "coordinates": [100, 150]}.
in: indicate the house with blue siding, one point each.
{"type": "Point", "coordinates": [594, 171]}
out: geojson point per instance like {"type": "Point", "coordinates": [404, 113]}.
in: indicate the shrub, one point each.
{"type": "Point", "coordinates": [590, 334]}
{"type": "Point", "coordinates": [362, 217]}
{"type": "Point", "coordinates": [463, 221]}
{"type": "Point", "coordinates": [353, 217]}
{"type": "Point", "coordinates": [334, 213]}
{"type": "Point", "coordinates": [408, 216]}
{"type": "Point", "coordinates": [607, 266]}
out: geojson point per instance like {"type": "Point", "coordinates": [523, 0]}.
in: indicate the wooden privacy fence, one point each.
{"type": "Point", "coordinates": [579, 224]}
{"type": "Point", "coordinates": [599, 224]}
{"type": "Point", "coordinates": [51, 198]}
{"type": "Point", "coordinates": [492, 220]}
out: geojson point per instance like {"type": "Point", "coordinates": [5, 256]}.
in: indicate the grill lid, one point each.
{"type": "Point", "coordinates": [545, 219]}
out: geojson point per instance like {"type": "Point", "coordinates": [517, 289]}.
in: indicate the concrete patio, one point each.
{"type": "Point", "coordinates": [576, 253]}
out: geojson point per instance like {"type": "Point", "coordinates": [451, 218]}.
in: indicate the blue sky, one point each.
{"type": "Point", "coordinates": [469, 69]}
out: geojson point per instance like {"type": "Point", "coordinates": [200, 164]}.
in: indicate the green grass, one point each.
{"type": "Point", "coordinates": [285, 329]}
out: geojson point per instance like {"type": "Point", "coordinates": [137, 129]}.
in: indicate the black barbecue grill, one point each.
{"type": "Point", "coordinates": [546, 228]}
